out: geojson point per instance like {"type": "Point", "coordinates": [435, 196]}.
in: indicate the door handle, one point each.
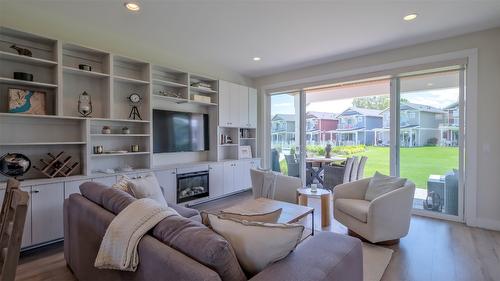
{"type": "Point", "coordinates": [35, 191]}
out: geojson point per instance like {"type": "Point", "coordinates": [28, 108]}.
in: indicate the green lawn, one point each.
{"type": "Point", "coordinates": [416, 163]}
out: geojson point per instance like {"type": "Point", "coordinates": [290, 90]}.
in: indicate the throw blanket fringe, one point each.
{"type": "Point", "coordinates": [119, 246]}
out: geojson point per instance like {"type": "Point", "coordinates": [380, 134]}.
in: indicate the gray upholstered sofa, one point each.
{"type": "Point", "coordinates": [180, 248]}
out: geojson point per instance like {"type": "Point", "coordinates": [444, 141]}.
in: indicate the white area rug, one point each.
{"type": "Point", "coordinates": [375, 261]}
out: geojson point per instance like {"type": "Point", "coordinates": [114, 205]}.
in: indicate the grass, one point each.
{"type": "Point", "coordinates": [417, 163]}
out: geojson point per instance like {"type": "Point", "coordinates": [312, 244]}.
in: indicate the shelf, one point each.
{"type": "Point", "coordinates": [203, 103]}
{"type": "Point", "coordinates": [4, 80]}
{"type": "Point", "coordinates": [76, 71]}
{"type": "Point", "coordinates": [6, 114]}
{"type": "Point", "coordinates": [247, 138]}
{"type": "Point", "coordinates": [169, 83]}
{"type": "Point", "coordinates": [130, 80]}
{"type": "Point", "coordinates": [120, 135]}
{"type": "Point", "coordinates": [203, 90]}
{"type": "Point", "coordinates": [228, 145]}
{"type": "Point", "coordinates": [43, 143]}
{"type": "Point", "coordinates": [26, 59]}
{"type": "Point", "coordinates": [171, 99]}
{"type": "Point", "coordinates": [119, 120]}
{"type": "Point", "coordinates": [119, 154]}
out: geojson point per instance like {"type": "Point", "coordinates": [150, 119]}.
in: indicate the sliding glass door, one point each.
{"type": "Point", "coordinates": [430, 141]}
{"type": "Point", "coordinates": [285, 133]}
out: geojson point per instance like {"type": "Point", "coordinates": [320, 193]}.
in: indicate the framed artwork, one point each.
{"type": "Point", "coordinates": [245, 152]}
{"type": "Point", "coordinates": [27, 101]}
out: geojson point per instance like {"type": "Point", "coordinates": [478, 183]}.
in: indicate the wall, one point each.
{"type": "Point", "coordinates": [488, 98]}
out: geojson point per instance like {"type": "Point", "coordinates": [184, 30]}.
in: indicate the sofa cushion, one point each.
{"type": "Point", "coordinates": [380, 184]}
{"type": "Point", "coordinates": [353, 207]}
{"type": "Point", "coordinates": [93, 191]}
{"type": "Point", "coordinates": [257, 244]}
{"type": "Point", "coordinates": [200, 243]}
{"type": "Point", "coordinates": [269, 217]}
{"type": "Point", "coordinates": [115, 200]}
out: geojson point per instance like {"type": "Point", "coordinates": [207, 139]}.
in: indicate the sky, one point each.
{"type": "Point", "coordinates": [283, 104]}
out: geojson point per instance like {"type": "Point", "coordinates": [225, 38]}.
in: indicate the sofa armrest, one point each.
{"type": "Point", "coordinates": [324, 256]}
{"type": "Point", "coordinates": [351, 190]}
{"type": "Point", "coordinates": [186, 212]}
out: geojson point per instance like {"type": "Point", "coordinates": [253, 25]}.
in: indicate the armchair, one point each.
{"type": "Point", "coordinates": [274, 186]}
{"type": "Point", "coordinates": [385, 219]}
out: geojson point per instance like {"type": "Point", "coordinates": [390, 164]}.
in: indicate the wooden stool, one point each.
{"type": "Point", "coordinates": [304, 193]}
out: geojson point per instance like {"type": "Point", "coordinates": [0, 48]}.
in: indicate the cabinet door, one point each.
{"type": "Point", "coordinates": [228, 177]}
{"type": "Point", "coordinates": [26, 241]}
{"type": "Point", "coordinates": [71, 187]}
{"type": "Point", "coordinates": [255, 163]}
{"type": "Point", "coordinates": [168, 181]}
{"type": "Point", "coordinates": [243, 174]}
{"type": "Point", "coordinates": [109, 181]}
{"type": "Point", "coordinates": [234, 103]}
{"type": "Point", "coordinates": [47, 212]}
{"type": "Point", "coordinates": [243, 106]}
{"type": "Point", "coordinates": [252, 108]}
{"type": "Point", "coordinates": [224, 103]}
{"type": "Point", "coordinates": [216, 179]}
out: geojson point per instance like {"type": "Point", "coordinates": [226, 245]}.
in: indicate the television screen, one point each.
{"type": "Point", "coordinates": [175, 131]}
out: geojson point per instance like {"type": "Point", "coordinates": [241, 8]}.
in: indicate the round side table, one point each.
{"type": "Point", "coordinates": [304, 193]}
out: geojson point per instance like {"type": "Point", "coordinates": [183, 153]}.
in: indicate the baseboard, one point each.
{"type": "Point", "coordinates": [487, 224]}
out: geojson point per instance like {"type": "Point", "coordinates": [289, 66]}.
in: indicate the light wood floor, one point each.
{"type": "Point", "coordinates": [433, 250]}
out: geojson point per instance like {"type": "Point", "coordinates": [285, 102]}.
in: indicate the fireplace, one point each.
{"type": "Point", "coordinates": [192, 186]}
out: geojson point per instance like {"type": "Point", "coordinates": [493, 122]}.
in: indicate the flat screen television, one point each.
{"type": "Point", "coordinates": [175, 131]}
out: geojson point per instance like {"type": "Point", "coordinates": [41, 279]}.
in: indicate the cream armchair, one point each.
{"type": "Point", "coordinates": [385, 219]}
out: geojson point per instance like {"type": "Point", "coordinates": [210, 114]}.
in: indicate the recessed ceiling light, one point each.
{"type": "Point", "coordinates": [256, 58]}
{"type": "Point", "coordinates": [134, 7]}
{"type": "Point", "coordinates": [410, 17]}
{"type": "Point", "coordinates": [430, 84]}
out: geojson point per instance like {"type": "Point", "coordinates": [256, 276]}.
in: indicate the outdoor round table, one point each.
{"type": "Point", "coordinates": [304, 193]}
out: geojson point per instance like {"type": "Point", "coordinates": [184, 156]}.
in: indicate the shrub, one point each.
{"type": "Point", "coordinates": [349, 149]}
{"type": "Point", "coordinates": [316, 149]}
{"type": "Point", "coordinates": [432, 142]}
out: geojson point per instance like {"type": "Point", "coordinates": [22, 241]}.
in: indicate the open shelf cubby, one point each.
{"type": "Point", "coordinates": [74, 84]}
{"type": "Point", "coordinates": [43, 49]}
{"type": "Point", "coordinates": [170, 84]}
{"type": "Point", "coordinates": [50, 96]}
{"type": "Point", "coordinates": [197, 89]}
{"type": "Point", "coordinates": [121, 107]}
{"type": "Point", "coordinates": [133, 71]}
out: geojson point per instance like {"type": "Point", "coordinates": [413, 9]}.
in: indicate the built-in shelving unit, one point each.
{"type": "Point", "coordinates": [57, 71]}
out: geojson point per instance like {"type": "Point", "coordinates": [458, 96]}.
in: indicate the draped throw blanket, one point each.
{"type": "Point", "coordinates": [119, 246]}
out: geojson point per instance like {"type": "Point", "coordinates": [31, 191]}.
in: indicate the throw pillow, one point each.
{"type": "Point", "coordinates": [380, 184]}
{"type": "Point", "coordinates": [146, 187]}
{"type": "Point", "coordinates": [257, 244]}
{"type": "Point", "coordinates": [270, 217]}
{"type": "Point", "coordinates": [122, 184]}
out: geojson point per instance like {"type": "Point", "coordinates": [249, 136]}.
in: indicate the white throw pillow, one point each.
{"type": "Point", "coordinates": [146, 187]}
{"type": "Point", "coordinates": [380, 184]}
{"type": "Point", "coordinates": [122, 184]}
{"type": "Point", "coordinates": [257, 244]}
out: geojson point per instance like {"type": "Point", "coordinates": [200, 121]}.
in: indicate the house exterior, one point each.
{"type": "Point", "coordinates": [283, 129]}
{"type": "Point", "coordinates": [419, 125]}
{"type": "Point", "coordinates": [320, 127]}
{"type": "Point", "coordinates": [356, 126]}
{"type": "Point", "coordinates": [449, 128]}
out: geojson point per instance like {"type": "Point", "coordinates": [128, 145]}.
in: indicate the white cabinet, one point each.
{"type": "Point", "coordinates": [229, 177]}
{"type": "Point", "coordinates": [109, 181]}
{"type": "Point", "coordinates": [71, 187]}
{"type": "Point", "coordinates": [26, 241]}
{"type": "Point", "coordinates": [243, 175]}
{"type": "Point", "coordinates": [237, 105]}
{"type": "Point", "coordinates": [252, 108]}
{"type": "Point", "coordinates": [168, 181]}
{"type": "Point", "coordinates": [47, 212]}
{"type": "Point", "coordinates": [216, 180]}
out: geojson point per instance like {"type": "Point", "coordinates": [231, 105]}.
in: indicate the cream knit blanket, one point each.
{"type": "Point", "coordinates": [119, 246]}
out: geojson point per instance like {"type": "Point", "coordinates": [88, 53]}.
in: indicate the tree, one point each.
{"type": "Point", "coordinates": [374, 102]}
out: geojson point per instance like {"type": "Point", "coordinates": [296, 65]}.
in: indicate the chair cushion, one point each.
{"type": "Point", "coordinates": [381, 184]}
{"type": "Point", "coordinates": [201, 244]}
{"type": "Point", "coordinates": [354, 207]}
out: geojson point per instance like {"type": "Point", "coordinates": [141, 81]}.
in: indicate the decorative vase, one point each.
{"type": "Point", "coordinates": [106, 130]}
{"type": "Point", "coordinates": [328, 150]}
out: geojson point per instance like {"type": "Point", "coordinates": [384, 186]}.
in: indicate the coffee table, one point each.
{"type": "Point", "coordinates": [290, 213]}
{"type": "Point", "coordinates": [324, 195]}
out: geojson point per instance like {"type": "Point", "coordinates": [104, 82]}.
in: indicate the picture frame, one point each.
{"type": "Point", "coordinates": [245, 152]}
{"type": "Point", "coordinates": [27, 101]}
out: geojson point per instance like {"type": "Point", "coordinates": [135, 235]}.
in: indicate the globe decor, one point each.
{"type": "Point", "coordinates": [14, 164]}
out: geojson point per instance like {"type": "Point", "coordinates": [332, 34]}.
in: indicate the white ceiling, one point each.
{"type": "Point", "coordinates": [286, 34]}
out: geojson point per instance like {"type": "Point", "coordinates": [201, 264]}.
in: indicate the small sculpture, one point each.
{"type": "Point", "coordinates": [134, 100]}
{"type": "Point", "coordinates": [22, 51]}
{"type": "Point", "coordinates": [328, 150]}
{"type": "Point", "coordinates": [106, 130]}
